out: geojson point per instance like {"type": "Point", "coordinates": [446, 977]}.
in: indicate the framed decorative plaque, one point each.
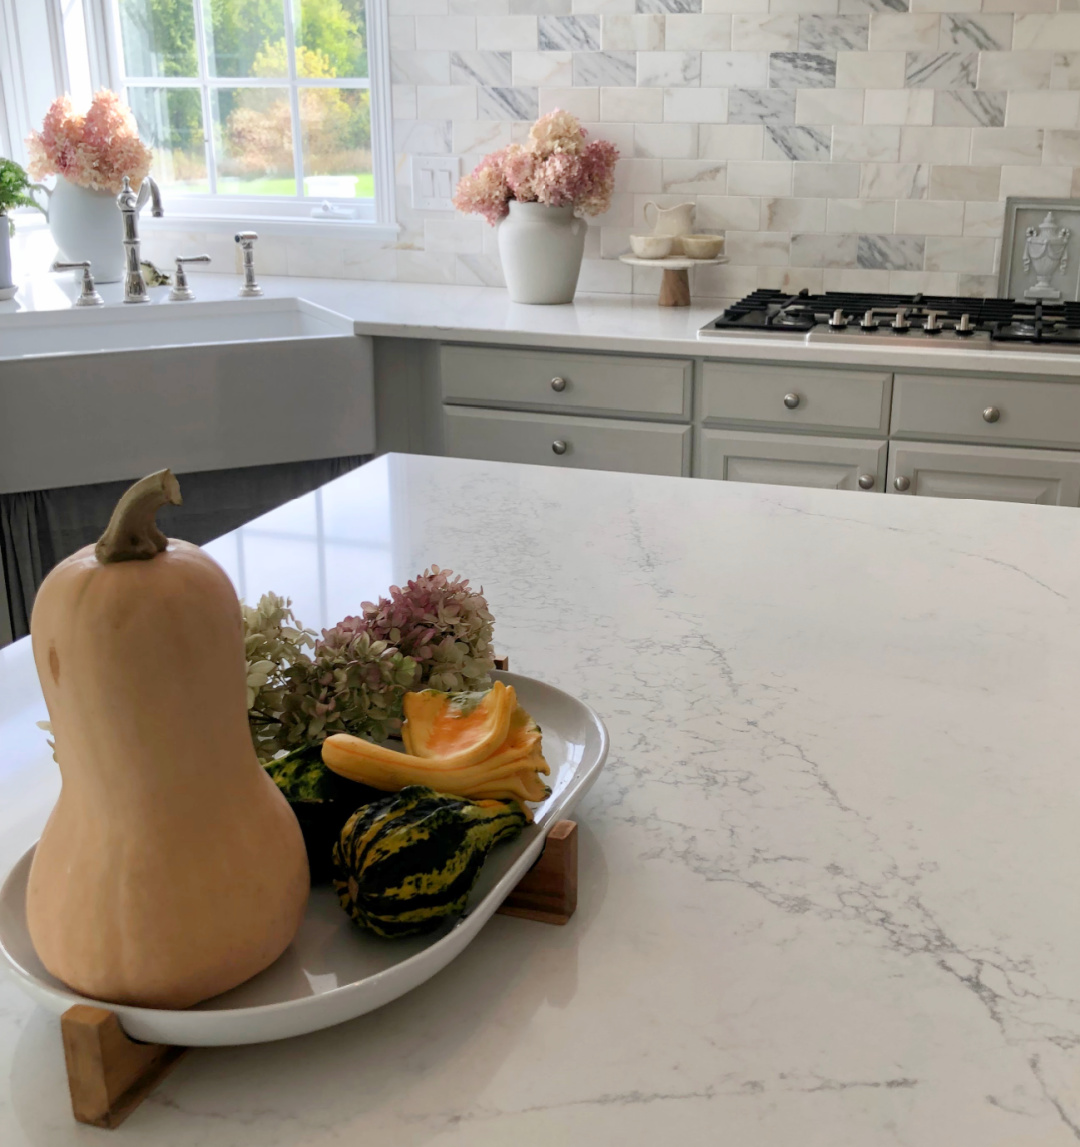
{"type": "Point", "coordinates": [1040, 251]}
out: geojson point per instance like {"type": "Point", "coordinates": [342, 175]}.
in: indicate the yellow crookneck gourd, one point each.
{"type": "Point", "coordinates": [482, 746]}
{"type": "Point", "coordinates": [171, 868]}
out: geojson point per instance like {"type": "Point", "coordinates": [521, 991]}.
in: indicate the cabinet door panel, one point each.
{"type": "Point", "coordinates": [790, 460]}
{"type": "Point", "coordinates": [551, 440]}
{"type": "Point", "coordinates": [987, 473]}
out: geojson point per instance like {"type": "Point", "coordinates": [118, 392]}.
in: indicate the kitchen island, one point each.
{"type": "Point", "coordinates": [828, 876]}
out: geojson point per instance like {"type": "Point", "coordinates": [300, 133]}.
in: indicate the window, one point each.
{"type": "Point", "coordinates": [263, 108]}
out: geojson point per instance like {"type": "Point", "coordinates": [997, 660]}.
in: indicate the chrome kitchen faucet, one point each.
{"type": "Point", "coordinates": [134, 286]}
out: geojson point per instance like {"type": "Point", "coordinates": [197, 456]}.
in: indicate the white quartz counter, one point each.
{"type": "Point", "coordinates": [828, 878]}
{"type": "Point", "coordinates": [623, 323]}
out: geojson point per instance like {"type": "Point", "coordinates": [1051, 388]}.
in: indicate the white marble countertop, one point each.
{"type": "Point", "coordinates": [828, 879]}
{"type": "Point", "coordinates": [623, 323]}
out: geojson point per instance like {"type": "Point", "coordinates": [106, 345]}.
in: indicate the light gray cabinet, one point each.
{"type": "Point", "coordinates": [792, 460]}
{"type": "Point", "coordinates": [624, 385]}
{"type": "Point", "coordinates": [796, 398]}
{"type": "Point", "coordinates": [1003, 411]}
{"type": "Point", "coordinates": [566, 440]}
{"type": "Point", "coordinates": [991, 473]}
{"type": "Point", "coordinates": [866, 430]}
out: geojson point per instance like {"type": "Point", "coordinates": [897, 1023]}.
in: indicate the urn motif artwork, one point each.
{"type": "Point", "coordinates": [537, 192]}
{"type": "Point", "coordinates": [1046, 252]}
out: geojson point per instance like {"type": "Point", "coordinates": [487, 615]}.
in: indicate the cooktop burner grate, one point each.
{"type": "Point", "coordinates": [950, 319]}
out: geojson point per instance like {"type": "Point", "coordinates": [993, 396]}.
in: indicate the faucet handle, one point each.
{"type": "Point", "coordinates": [88, 297]}
{"type": "Point", "coordinates": [181, 292]}
{"type": "Point", "coordinates": [246, 239]}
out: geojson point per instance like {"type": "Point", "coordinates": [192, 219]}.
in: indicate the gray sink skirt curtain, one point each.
{"type": "Point", "coordinates": [42, 527]}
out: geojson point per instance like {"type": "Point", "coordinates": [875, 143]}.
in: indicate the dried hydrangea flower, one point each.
{"type": "Point", "coordinates": [352, 684]}
{"type": "Point", "coordinates": [441, 623]}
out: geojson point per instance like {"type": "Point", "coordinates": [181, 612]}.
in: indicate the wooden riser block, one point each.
{"type": "Point", "coordinates": [109, 1073]}
{"type": "Point", "coordinates": [548, 891]}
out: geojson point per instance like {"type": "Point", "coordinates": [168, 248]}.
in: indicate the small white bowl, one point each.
{"type": "Point", "coordinates": [702, 246]}
{"type": "Point", "coordinates": [651, 246]}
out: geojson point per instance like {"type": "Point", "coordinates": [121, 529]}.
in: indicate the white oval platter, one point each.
{"type": "Point", "coordinates": [333, 972]}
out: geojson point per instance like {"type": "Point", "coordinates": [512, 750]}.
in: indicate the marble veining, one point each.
{"type": "Point", "coordinates": [761, 105]}
{"type": "Point", "coordinates": [891, 252]}
{"type": "Point", "coordinates": [941, 69]}
{"type": "Point", "coordinates": [810, 144]}
{"type": "Point", "coordinates": [668, 6]}
{"type": "Point", "coordinates": [968, 106]}
{"type": "Point", "coordinates": [971, 32]}
{"type": "Point", "coordinates": [508, 103]}
{"type": "Point", "coordinates": [833, 33]}
{"type": "Point", "coordinates": [605, 69]}
{"type": "Point", "coordinates": [802, 70]}
{"type": "Point", "coordinates": [485, 69]}
{"type": "Point", "coordinates": [568, 33]}
{"type": "Point", "coordinates": [828, 875]}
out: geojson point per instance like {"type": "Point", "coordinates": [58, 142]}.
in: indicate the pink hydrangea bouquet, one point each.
{"type": "Point", "coordinates": [556, 167]}
{"type": "Point", "coordinates": [95, 150]}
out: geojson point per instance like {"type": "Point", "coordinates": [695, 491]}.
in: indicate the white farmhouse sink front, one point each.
{"type": "Point", "coordinates": [115, 392]}
{"type": "Point", "coordinates": [122, 327]}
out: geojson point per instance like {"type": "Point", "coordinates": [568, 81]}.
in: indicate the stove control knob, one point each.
{"type": "Point", "coordinates": [964, 327]}
{"type": "Point", "coordinates": [900, 323]}
{"type": "Point", "coordinates": [869, 323]}
{"type": "Point", "coordinates": [991, 414]}
{"type": "Point", "coordinates": [902, 482]}
{"type": "Point", "coordinates": [791, 400]}
{"type": "Point", "coordinates": [932, 326]}
{"type": "Point", "coordinates": [838, 320]}
{"type": "Point", "coordinates": [866, 481]}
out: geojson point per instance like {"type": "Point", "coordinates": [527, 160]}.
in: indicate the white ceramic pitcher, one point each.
{"type": "Point", "coordinates": [674, 221]}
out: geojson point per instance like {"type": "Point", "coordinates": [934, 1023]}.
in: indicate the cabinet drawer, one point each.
{"type": "Point", "coordinates": [987, 473]}
{"type": "Point", "coordinates": [1027, 413]}
{"type": "Point", "coordinates": [842, 400]}
{"type": "Point", "coordinates": [621, 384]}
{"type": "Point", "coordinates": [590, 443]}
{"type": "Point", "coordinates": [792, 460]}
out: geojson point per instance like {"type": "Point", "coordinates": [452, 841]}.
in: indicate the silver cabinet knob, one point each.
{"type": "Point", "coordinates": [902, 482]}
{"type": "Point", "coordinates": [791, 400]}
{"type": "Point", "coordinates": [991, 414]}
{"type": "Point", "coordinates": [558, 384]}
{"type": "Point", "coordinates": [866, 481]}
{"type": "Point", "coordinates": [558, 446]}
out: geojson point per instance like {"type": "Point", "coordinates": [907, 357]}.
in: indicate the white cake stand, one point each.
{"type": "Point", "coordinates": [675, 285]}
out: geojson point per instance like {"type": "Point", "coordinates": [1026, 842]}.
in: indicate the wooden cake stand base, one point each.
{"type": "Point", "coordinates": [110, 1074]}
{"type": "Point", "coordinates": [675, 282]}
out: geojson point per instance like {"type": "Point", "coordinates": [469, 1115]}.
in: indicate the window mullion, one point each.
{"type": "Point", "coordinates": [209, 144]}
{"type": "Point", "coordinates": [294, 100]}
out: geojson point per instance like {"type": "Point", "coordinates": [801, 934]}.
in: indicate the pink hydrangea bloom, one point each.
{"type": "Point", "coordinates": [556, 167]}
{"type": "Point", "coordinates": [95, 150]}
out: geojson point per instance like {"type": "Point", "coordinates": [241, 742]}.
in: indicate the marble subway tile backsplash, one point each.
{"type": "Point", "coordinates": [862, 144]}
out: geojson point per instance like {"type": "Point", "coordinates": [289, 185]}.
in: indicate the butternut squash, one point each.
{"type": "Point", "coordinates": [171, 868]}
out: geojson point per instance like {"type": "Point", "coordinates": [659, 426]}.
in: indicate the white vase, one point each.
{"type": "Point", "coordinates": [87, 225]}
{"type": "Point", "coordinates": [541, 248]}
{"type": "Point", "coordinates": [7, 284]}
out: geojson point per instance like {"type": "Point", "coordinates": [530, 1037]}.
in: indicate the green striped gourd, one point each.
{"type": "Point", "coordinates": [407, 862]}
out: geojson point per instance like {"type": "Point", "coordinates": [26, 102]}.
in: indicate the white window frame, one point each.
{"type": "Point", "coordinates": [274, 215]}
